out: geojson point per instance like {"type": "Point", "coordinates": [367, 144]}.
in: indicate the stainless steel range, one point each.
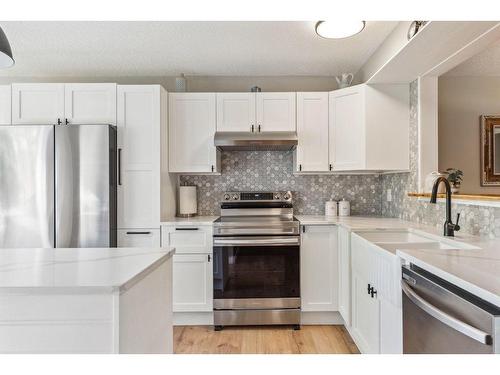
{"type": "Point", "coordinates": [256, 260]}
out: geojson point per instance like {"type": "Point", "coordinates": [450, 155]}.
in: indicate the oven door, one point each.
{"type": "Point", "coordinates": [256, 272]}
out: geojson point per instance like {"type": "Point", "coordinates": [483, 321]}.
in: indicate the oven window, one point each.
{"type": "Point", "coordinates": [256, 272]}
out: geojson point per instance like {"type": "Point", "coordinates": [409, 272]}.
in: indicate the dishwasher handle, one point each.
{"type": "Point", "coordinates": [450, 321]}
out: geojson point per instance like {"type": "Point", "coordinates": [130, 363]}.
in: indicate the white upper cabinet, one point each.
{"type": "Point", "coordinates": [5, 105]}
{"type": "Point", "coordinates": [90, 103]}
{"type": "Point", "coordinates": [72, 103]}
{"type": "Point", "coordinates": [275, 111]}
{"type": "Point", "coordinates": [236, 112]}
{"type": "Point", "coordinates": [369, 128]}
{"type": "Point", "coordinates": [319, 268]}
{"type": "Point", "coordinates": [139, 139]}
{"type": "Point", "coordinates": [312, 132]}
{"type": "Point", "coordinates": [37, 103]}
{"type": "Point", "coordinates": [192, 122]}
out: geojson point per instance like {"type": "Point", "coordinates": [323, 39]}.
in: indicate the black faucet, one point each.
{"type": "Point", "coordinates": [449, 227]}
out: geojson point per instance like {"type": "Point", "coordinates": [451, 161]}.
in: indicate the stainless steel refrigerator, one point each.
{"type": "Point", "coordinates": [58, 186]}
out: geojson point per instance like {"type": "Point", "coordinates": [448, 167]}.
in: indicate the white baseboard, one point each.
{"type": "Point", "coordinates": [316, 318]}
{"type": "Point", "coordinates": [193, 318]}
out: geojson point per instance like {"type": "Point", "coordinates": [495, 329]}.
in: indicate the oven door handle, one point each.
{"type": "Point", "coordinates": [256, 242]}
{"type": "Point", "coordinates": [445, 318]}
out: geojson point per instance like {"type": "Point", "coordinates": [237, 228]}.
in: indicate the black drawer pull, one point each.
{"type": "Point", "coordinates": [138, 232]}
{"type": "Point", "coordinates": [187, 228]}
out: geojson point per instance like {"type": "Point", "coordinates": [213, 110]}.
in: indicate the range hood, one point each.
{"type": "Point", "coordinates": [246, 141]}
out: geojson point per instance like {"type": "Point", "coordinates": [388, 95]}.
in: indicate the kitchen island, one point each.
{"type": "Point", "coordinates": [99, 300]}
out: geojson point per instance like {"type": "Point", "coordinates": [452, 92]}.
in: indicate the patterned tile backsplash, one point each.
{"type": "Point", "coordinates": [273, 170]}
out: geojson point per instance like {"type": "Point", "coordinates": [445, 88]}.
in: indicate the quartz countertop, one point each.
{"type": "Point", "coordinates": [195, 220]}
{"type": "Point", "coordinates": [77, 269]}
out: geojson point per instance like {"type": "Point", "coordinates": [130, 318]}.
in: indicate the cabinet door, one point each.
{"type": "Point", "coordinates": [191, 133]}
{"type": "Point", "coordinates": [139, 156]}
{"type": "Point", "coordinates": [192, 283]}
{"type": "Point", "coordinates": [149, 238]}
{"type": "Point", "coordinates": [318, 268]}
{"type": "Point", "coordinates": [276, 111]}
{"type": "Point", "coordinates": [345, 275]}
{"type": "Point", "coordinates": [365, 316]}
{"type": "Point", "coordinates": [5, 105]}
{"type": "Point", "coordinates": [37, 103]}
{"type": "Point", "coordinates": [236, 112]}
{"type": "Point", "coordinates": [312, 131]}
{"type": "Point", "coordinates": [347, 131]}
{"type": "Point", "coordinates": [90, 103]}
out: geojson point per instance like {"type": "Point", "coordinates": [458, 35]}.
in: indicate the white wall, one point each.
{"type": "Point", "coordinates": [462, 100]}
{"type": "Point", "coordinates": [204, 84]}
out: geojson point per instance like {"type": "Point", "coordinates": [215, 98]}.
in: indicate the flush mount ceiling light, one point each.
{"type": "Point", "coordinates": [339, 29]}
{"type": "Point", "coordinates": [6, 59]}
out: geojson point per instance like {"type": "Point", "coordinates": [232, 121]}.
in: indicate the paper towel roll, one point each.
{"type": "Point", "coordinates": [187, 201]}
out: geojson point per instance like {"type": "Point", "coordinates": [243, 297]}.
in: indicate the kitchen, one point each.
{"type": "Point", "coordinates": [271, 209]}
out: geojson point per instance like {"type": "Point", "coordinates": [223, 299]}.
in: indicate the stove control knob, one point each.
{"type": "Point", "coordinates": [235, 197]}
{"type": "Point", "coordinates": [277, 196]}
{"type": "Point", "coordinates": [227, 197]}
{"type": "Point", "coordinates": [287, 196]}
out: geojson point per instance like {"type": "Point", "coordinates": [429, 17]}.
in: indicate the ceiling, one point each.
{"type": "Point", "coordinates": [485, 63]}
{"type": "Point", "coordinates": [194, 48]}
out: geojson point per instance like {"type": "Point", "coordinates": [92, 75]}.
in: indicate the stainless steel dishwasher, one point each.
{"type": "Point", "coordinates": [439, 317]}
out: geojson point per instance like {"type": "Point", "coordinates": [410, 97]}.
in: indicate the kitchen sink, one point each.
{"type": "Point", "coordinates": [391, 236]}
{"type": "Point", "coordinates": [393, 246]}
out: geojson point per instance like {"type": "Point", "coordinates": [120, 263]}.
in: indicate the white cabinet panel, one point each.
{"type": "Point", "coordinates": [319, 268]}
{"type": "Point", "coordinates": [139, 238]}
{"type": "Point", "coordinates": [139, 113]}
{"type": "Point", "coordinates": [192, 118]}
{"type": "Point", "coordinates": [236, 112]}
{"type": "Point", "coordinates": [90, 103]}
{"type": "Point", "coordinates": [347, 134]}
{"type": "Point", "coordinates": [37, 103]}
{"type": "Point", "coordinates": [192, 283]}
{"type": "Point", "coordinates": [345, 274]}
{"type": "Point", "coordinates": [365, 316]}
{"type": "Point", "coordinates": [188, 239]}
{"type": "Point", "coordinates": [276, 111]}
{"type": "Point", "coordinates": [5, 105]}
{"type": "Point", "coordinates": [312, 132]}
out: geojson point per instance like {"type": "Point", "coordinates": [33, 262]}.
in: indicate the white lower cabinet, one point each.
{"type": "Point", "coordinates": [192, 266]}
{"type": "Point", "coordinates": [192, 283]}
{"type": "Point", "coordinates": [344, 251]}
{"type": "Point", "coordinates": [319, 268]}
{"type": "Point", "coordinates": [376, 324]}
{"type": "Point", "coordinates": [139, 238]}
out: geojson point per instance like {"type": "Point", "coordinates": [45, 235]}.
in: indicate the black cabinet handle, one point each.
{"type": "Point", "coordinates": [66, 121]}
{"type": "Point", "coordinates": [252, 128]}
{"type": "Point", "coordinates": [331, 167]}
{"type": "Point", "coordinates": [212, 168]}
{"type": "Point", "coordinates": [187, 228]}
{"type": "Point", "coordinates": [209, 257]}
{"type": "Point", "coordinates": [300, 167]}
{"type": "Point", "coordinates": [59, 122]}
{"type": "Point", "coordinates": [373, 292]}
{"type": "Point", "coordinates": [138, 232]}
{"type": "Point", "coordinates": [370, 288]}
{"type": "Point", "coordinates": [259, 128]}
{"type": "Point", "coordinates": [119, 166]}
{"type": "Point", "coordinates": [303, 229]}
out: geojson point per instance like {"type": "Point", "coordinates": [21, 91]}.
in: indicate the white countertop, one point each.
{"type": "Point", "coordinates": [108, 268]}
{"type": "Point", "coordinates": [195, 220]}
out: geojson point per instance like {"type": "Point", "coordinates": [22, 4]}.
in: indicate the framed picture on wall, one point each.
{"type": "Point", "coordinates": [490, 150]}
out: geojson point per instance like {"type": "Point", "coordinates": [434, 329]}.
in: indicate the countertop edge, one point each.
{"type": "Point", "coordinates": [461, 283]}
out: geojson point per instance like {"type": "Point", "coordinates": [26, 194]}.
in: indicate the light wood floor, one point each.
{"type": "Point", "coordinates": [263, 340]}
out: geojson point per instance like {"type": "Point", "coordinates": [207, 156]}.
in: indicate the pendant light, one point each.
{"type": "Point", "coordinates": [6, 59]}
{"type": "Point", "coordinates": [339, 29]}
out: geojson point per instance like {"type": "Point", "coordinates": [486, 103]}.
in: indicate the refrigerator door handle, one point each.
{"type": "Point", "coordinates": [119, 166]}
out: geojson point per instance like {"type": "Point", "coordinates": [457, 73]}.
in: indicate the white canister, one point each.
{"type": "Point", "coordinates": [188, 204]}
{"type": "Point", "coordinates": [344, 208]}
{"type": "Point", "coordinates": [331, 208]}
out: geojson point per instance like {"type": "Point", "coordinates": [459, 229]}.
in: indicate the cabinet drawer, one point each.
{"type": "Point", "coordinates": [188, 239]}
{"type": "Point", "coordinates": [139, 237]}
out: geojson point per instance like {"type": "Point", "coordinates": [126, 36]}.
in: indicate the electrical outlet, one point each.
{"type": "Point", "coordinates": [389, 195]}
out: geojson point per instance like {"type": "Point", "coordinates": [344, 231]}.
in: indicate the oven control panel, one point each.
{"type": "Point", "coordinates": [252, 196]}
